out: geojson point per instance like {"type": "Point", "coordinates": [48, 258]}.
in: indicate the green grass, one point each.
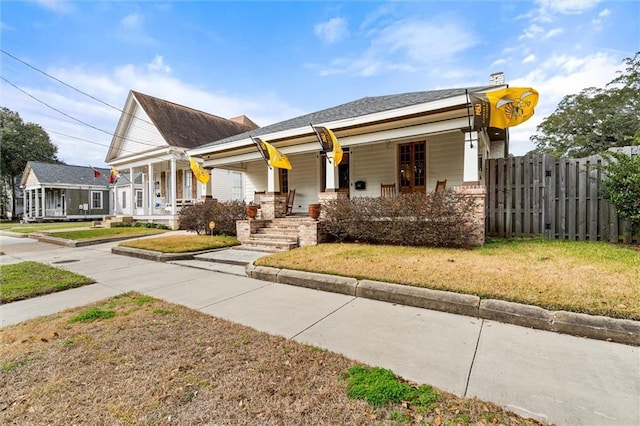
{"type": "Point", "coordinates": [26, 228]}
{"type": "Point", "coordinates": [93, 314]}
{"type": "Point", "coordinates": [97, 233]}
{"type": "Point", "coordinates": [182, 243]}
{"type": "Point", "coordinates": [30, 279]}
{"type": "Point", "coordinates": [587, 277]}
{"type": "Point", "coordinates": [379, 387]}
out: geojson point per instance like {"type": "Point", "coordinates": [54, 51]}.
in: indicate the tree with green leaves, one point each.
{"type": "Point", "coordinates": [20, 142]}
{"type": "Point", "coordinates": [621, 187]}
{"type": "Point", "coordinates": [595, 119]}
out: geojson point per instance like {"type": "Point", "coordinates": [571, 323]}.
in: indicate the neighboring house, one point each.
{"type": "Point", "coordinates": [411, 140]}
{"type": "Point", "coordinates": [150, 142]}
{"type": "Point", "coordinates": [54, 191]}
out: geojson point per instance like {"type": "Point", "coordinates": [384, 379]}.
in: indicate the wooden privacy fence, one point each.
{"type": "Point", "coordinates": [558, 198]}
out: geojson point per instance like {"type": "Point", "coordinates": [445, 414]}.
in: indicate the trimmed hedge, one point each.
{"type": "Point", "coordinates": [443, 219]}
{"type": "Point", "coordinates": [196, 217]}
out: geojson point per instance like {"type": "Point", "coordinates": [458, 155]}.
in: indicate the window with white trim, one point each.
{"type": "Point", "coordinates": [186, 184]}
{"type": "Point", "coordinates": [96, 200]}
{"type": "Point", "coordinates": [139, 199]}
{"type": "Point", "coordinates": [236, 186]}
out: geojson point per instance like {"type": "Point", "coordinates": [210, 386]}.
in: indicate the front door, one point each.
{"type": "Point", "coordinates": [412, 167]}
{"type": "Point", "coordinates": [343, 172]}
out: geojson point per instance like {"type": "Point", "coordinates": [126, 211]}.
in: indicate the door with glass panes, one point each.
{"type": "Point", "coordinates": [412, 163]}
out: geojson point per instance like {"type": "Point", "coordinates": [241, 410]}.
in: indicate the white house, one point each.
{"type": "Point", "coordinates": [150, 143]}
{"type": "Point", "coordinates": [410, 140]}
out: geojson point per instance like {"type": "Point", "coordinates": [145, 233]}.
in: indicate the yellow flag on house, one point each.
{"type": "Point", "coordinates": [276, 158]}
{"type": "Point", "coordinates": [198, 171]}
{"type": "Point", "coordinates": [329, 142]}
{"type": "Point", "coordinates": [503, 108]}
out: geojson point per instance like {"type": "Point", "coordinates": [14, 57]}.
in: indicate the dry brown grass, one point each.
{"type": "Point", "coordinates": [156, 363]}
{"type": "Point", "coordinates": [594, 278]}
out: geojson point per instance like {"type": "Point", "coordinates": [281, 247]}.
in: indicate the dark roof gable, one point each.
{"type": "Point", "coordinates": [50, 173]}
{"type": "Point", "coordinates": [186, 127]}
{"type": "Point", "coordinates": [360, 107]}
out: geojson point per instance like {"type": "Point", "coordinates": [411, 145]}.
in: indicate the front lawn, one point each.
{"type": "Point", "coordinates": [27, 228]}
{"type": "Point", "coordinates": [588, 277]}
{"type": "Point", "coordinates": [183, 243]}
{"type": "Point", "coordinates": [135, 360]}
{"type": "Point", "coordinates": [30, 279]}
{"type": "Point", "coordinates": [97, 233]}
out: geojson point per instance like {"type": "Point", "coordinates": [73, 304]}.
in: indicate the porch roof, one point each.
{"type": "Point", "coordinates": [65, 174]}
{"type": "Point", "coordinates": [358, 108]}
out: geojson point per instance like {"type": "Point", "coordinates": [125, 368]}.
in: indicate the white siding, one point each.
{"type": "Point", "coordinates": [303, 177]}
{"type": "Point", "coordinates": [373, 164]}
{"type": "Point", "coordinates": [31, 181]}
{"type": "Point", "coordinates": [445, 155]}
{"type": "Point", "coordinates": [222, 184]}
{"type": "Point", "coordinates": [141, 135]}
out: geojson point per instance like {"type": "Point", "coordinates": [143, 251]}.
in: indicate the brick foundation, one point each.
{"type": "Point", "coordinates": [479, 194]}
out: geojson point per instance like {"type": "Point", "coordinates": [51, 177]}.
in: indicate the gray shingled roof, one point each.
{"type": "Point", "coordinates": [364, 106]}
{"type": "Point", "coordinates": [186, 127]}
{"type": "Point", "coordinates": [49, 173]}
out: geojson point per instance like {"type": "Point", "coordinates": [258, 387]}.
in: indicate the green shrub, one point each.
{"type": "Point", "coordinates": [196, 218]}
{"type": "Point", "coordinates": [150, 225]}
{"type": "Point", "coordinates": [621, 187]}
{"type": "Point", "coordinates": [443, 219]}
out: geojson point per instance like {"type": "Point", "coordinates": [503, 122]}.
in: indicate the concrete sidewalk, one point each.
{"type": "Point", "coordinates": [552, 377]}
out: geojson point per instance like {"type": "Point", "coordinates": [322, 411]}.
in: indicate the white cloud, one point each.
{"type": "Point", "coordinates": [604, 13]}
{"type": "Point", "coordinates": [554, 78]}
{"type": "Point", "coordinates": [158, 65]}
{"type": "Point", "coordinates": [332, 31]}
{"type": "Point", "coordinates": [531, 32]}
{"type": "Point", "coordinates": [58, 6]}
{"type": "Point", "coordinates": [406, 45]}
{"type": "Point", "coordinates": [568, 7]}
{"type": "Point", "coordinates": [498, 62]}
{"type": "Point", "coordinates": [131, 21]}
{"type": "Point", "coordinates": [529, 58]}
{"type": "Point", "coordinates": [554, 32]}
{"type": "Point", "coordinates": [131, 30]}
{"type": "Point", "coordinates": [112, 87]}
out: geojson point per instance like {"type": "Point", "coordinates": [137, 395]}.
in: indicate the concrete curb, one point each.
{"type": "Point", "coordinates": [13, 234]}
{"type": "Point", "coordinates": [154, 255]}
{"type": "Point", "coordinates": [75, 243]}
{"type": "Point", "coordinates": [455, 303]}
{"type": "Point", "coordinates": [331, 283]}
{"type": "Point", "coordinates": [581, 325]}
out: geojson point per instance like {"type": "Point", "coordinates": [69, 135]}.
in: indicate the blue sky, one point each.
{"type": "Point", "coordinates": [276, 60]}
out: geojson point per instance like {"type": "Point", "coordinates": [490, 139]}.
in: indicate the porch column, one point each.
{"type": "Point", "coordinates": [131, 194]}
{"type": "Point", "coordinates": [44, 204]}
{"type": "Point", "coordinates": [273, 180]}
{"type": "Point", "coordinates": [37, 202]}
{"type": "Point", "coordinates": [471, 174]}
{"type": "Point", "coordinates": [332, 180]}
{"type": "Point", "coordinates": [151, 189]}
{"type": "Point", "coordinates": [174, 181]}
{"type": "Point", "coordinates": [24, 204]}
{"type": "Point", "coordinates": [145, 184]}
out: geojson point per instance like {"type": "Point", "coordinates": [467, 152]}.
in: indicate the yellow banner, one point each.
{"type": "Point", "coordinates": [503, 108]}
{"type": "Point", "coordinates": [328, 140]}
{"type": "Point", "coordinates": [198, 171]}
{"type": "Point", "coordinates": [276, 158]}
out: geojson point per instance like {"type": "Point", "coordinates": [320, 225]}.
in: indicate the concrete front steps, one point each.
{"type": "Point", "coordinates": [275, 235]}
{"type": "Point", "coordinates": [108, 221]}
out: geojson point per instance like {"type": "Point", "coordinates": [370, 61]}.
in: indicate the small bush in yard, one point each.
{"type": "Point", "coordinates": [622, 186]}
{"type": "Point", "coordinates": [443, 219]}
{"type": "Point", "coordinates": [196, 218]}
